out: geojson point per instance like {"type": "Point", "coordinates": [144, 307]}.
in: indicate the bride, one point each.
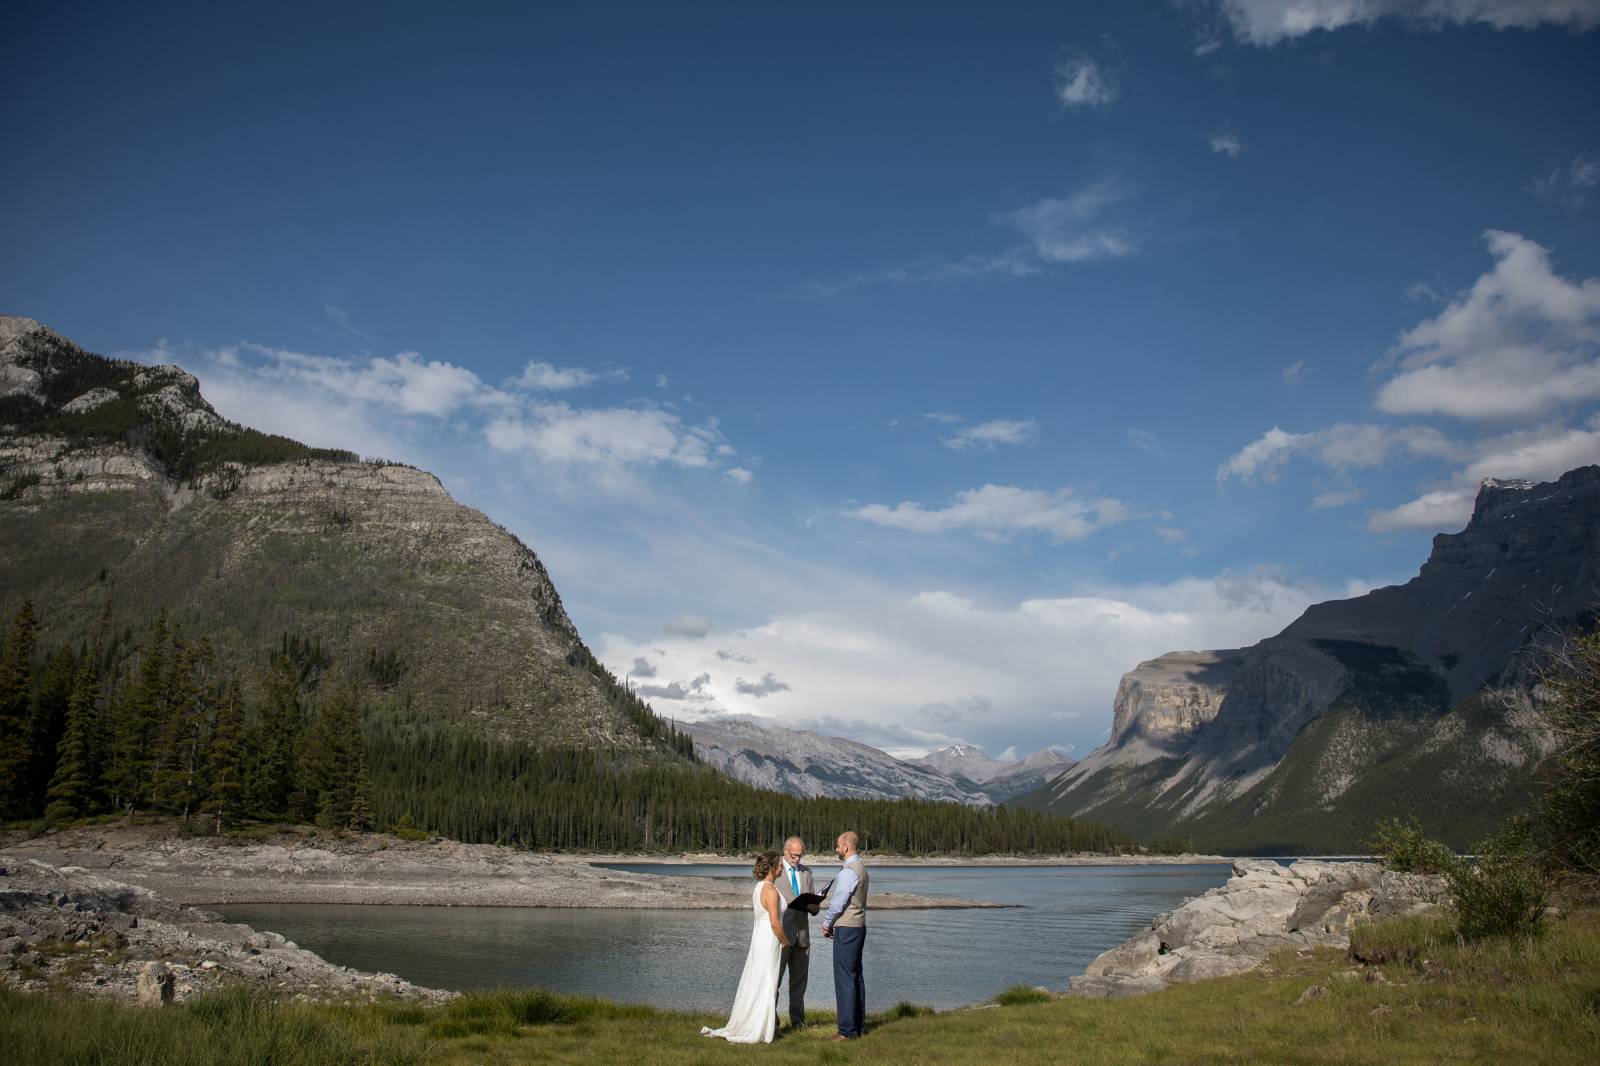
{"type": "Point", "coordinates": [753, 1019]}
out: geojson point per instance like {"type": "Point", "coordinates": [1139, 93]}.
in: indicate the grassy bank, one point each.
{"type": "Point", "coordinates": [1503, 1001]}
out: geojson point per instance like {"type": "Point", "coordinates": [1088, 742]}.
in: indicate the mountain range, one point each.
{"type": "Point", "coordinates": [1411, 699]}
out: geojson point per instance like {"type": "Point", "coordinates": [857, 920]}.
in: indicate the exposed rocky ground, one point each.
{"type": "Point", "coordinates": [308, 867]}
{"type": "Point", "coordinates": [1263, 908]}
{"type": "Point", "coordinates": [64, 928]}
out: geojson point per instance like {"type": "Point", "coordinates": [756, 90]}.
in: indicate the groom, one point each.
{"type": "Point", "coordinates": [846, 926]}
{"type": "Point", "coordinates": [794, 878]}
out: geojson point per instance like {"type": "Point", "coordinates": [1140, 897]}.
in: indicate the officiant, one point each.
{"type": "Point", "coordinates": [794, 879]}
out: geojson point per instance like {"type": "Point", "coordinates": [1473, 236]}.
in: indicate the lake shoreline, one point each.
{"type": "Point", "coordinates": [305, 866]}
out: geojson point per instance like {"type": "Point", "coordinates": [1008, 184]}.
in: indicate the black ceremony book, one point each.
{"type": "Point", "coordinates": [806, 900]}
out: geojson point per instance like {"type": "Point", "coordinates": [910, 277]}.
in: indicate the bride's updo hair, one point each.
{"type": "Point", "coordinates": [766, 862]}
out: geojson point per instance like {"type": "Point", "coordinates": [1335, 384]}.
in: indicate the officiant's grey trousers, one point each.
{"type": "Point", "coordinates": [796, 961]}
{"type": "Point", "coordinates": [849, 984]}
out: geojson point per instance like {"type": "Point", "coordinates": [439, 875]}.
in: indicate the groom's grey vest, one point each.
{"type": "Point", "coordinates": [855, 911]}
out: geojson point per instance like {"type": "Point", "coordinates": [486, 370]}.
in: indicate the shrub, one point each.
{"type": "Point", "coordinates": [1022, 995]}
{"type": "Point", "coordinates": [1403, 846]}
{"type": "Point", "coordinates": [1505, 893]}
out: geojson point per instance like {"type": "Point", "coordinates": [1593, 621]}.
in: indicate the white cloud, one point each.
{"type": "Point", "coordinates": [1264, 459]}
{"type": "Point", "coordinates": [738, 475]}
{"type": "Point", "coordinates": [558, 433]}
{"type": "Point", "coordinates": [1073, 229]}
{"type": "Point", "coordinates": [998, 512]}
{"type": "Point", "coordinates": [1340, 447]}
{"type": "Point", "coordinates": [1267, 22]}
{"type": "Point", "coordinates": [926, 667]}
{"type": "Point", "coordinates": [1082, 82]}
{"type": "Point", "coordinates": [547, 377]}
{"type": "Point", "coordinates": [990, 435]}
{"type": "Point", "coordinates": [1540, 454]}
{"type": "Point", "coordinates": [1296, 372]}
{"type": "Point", "coordinates": [1521, 343]}
{"type": "Point", "coordinates": [1226, 142]}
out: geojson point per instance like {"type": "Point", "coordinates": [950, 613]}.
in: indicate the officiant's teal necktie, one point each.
{"type": "Point", "coordinates": [794, 880]}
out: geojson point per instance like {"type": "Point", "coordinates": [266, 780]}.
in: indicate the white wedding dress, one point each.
{"type": "Point", "coordinates": [754, 1017]}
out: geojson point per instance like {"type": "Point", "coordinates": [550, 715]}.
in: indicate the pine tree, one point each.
{"type": "Point", "coordinates": [16, 690]}
{"type": "Point", "coordinates": [71, 793]}
{"type": "Point", "coordinates": [225, 759]}
{"type": "Point", "coordinates": [46, 722]}
{"type": "Point", "coordinates": [179, 765]}
{"type": "Point", "coordinates": [273, 777]}
{"type": "Point", "coordinates": [139, 713]}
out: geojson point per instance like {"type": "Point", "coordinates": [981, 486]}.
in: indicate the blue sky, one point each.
{"type": "Point", "coordinates": [906, 374]}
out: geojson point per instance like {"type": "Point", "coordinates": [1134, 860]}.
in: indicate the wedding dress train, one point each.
{"type": "Point", "coordinates": [753, 1019]}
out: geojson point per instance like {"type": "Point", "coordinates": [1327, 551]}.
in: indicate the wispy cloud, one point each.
{"type": "Point", "coordinates": [987, 436]}
{"type": "Point", "coordinates": [1269, 22]}
{"type": "Point", "coordinates": [1084, 82]}
{"type": "Point", "coordinates": [999, 512]}
{"type": "Point", "coordinates": [1570, 185]}
{"type": "Point", "coordinates": [547, 377]}
{"type": "Point", "coordinates": [1145, 441]}
{"type": "Point", "coordinates": [1084, 226]}
{"type": "Point", "coordinates": [1295, 372]}
{"type": "Point", "coordinates": [1227, 142]}
{"type": "Point", "coordinates": [1340, 447]}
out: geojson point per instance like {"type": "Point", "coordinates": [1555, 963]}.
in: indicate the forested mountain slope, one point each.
{"type": "Point", "coordinates": [123, 494]}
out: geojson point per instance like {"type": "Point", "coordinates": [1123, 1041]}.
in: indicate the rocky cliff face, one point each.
{"type": "Point", "coordinates": [1411, 699]}
{"type": "Point", "coordinates": [120, 485]}
{"type": "Point", "coordinates": [808, 764]}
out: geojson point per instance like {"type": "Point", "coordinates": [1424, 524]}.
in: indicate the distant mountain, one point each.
{"type": "Point", "coordinates": [802, 763]}
{"type": "Point", "coordinates": [1031, 773]}
{"type": "Point", "coordinates": [999, 779]}
{"type": "Point", "coordinates": [123, 491]}
{"type": "Point", "coordinates": [964, 761]}
{"type": "Point", "coordinates": [1415, 698]}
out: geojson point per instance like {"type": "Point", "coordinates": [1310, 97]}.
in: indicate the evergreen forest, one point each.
{"type": "Point", "coordinates": [148, 722]}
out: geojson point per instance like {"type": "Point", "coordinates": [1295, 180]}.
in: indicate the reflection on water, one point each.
{"type": "Point", "coordinates": [692, 959]}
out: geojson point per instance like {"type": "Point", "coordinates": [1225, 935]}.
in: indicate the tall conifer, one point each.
{"type": "Point", "coordinates": [16, 689]}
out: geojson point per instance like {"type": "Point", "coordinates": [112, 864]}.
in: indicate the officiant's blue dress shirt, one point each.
{"type": "Point", "coordinates": [849, 877]}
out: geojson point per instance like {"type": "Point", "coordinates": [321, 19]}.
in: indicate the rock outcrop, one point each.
{"type": "Point", "coordinates": [65, 927]}
{"type": "Point", "coordinates": [1263, 908]}
{"type": "Point", "coordinates": [1303, 741]}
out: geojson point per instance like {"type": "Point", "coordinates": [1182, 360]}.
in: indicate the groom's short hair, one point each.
{"type": "Point", "coordinates": [850, 837]}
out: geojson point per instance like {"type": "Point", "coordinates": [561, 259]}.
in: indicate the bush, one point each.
{"type": "Point", "coordinates": [1403, 846]}
{"type": "Point", "coordinates": [1505, 893]}
{"type": "Point", "coordinates": [1022, 995]}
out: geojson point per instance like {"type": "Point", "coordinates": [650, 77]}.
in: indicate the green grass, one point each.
{"type": "Point", "coordinates": [1524, 1001]}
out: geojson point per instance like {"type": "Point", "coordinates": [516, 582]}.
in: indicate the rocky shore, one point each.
{"type": "Point", "coordinates": [66, 929]}
{"type": "Point", "coordinates": [302, 866]}
{"type": "Point", "coordinates": [1263, 908]}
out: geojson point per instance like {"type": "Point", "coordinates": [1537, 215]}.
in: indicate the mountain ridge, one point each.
{"type": "Point", "coordinates": [1414, 698]}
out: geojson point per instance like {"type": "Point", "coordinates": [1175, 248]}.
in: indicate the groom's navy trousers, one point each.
{"type": "Point", "coordinates": [849, 986]}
